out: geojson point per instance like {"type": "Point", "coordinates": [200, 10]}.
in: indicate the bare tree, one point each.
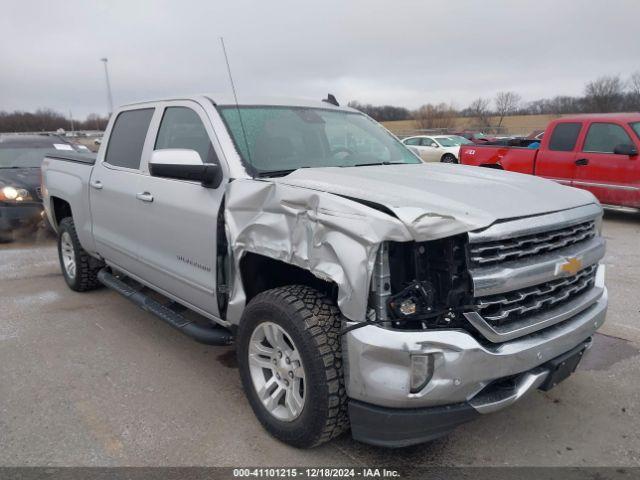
{"type": "Point", "coordinates": [604, 94]}
{"type": "Point", "coordinates": [435, 116]}
{"type": "Point", "coordinates": [479, 109]}
{"type": "Point", "coordinates": [634, 89]}
{"type": "Point", "coordinates": [506, 104]}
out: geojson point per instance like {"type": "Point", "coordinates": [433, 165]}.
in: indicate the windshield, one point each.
{"type": "Point", "coordinates": [636, 128]}
{"type": "Point", "coordinates": [278, 140]}
{"type": "Point", "coordinates": [11, 157]}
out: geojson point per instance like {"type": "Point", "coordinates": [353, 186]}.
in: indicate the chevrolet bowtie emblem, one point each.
{"type": "Point", "coordinates": [572, 266]}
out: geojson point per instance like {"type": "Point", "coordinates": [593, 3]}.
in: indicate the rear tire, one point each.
{"type": "Point", "coordinates": [80, 270]}
{"type": "Point", "coordinates": [310, 325]}
{"type": "Point", "coordinates": [448, 158]}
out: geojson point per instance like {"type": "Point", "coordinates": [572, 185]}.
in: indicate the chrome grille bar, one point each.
{"type": "Point", "coordinates": [520, 247]}
{"type": "Point", "coordinates": [499, 308]}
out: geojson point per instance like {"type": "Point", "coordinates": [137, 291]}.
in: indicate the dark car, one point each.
{"type": "Point", "coordinates": [20, 194]}
{"type": "Point", "coordinates": [478, 138]}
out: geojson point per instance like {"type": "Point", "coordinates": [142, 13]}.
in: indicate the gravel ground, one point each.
{"type": "Point", "coordinates": [89, 379]}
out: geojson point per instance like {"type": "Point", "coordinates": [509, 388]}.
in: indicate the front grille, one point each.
{"type": "Point", "coordinates": [519, 304]}
{"type": "Point", "coordinates": [486, 253]}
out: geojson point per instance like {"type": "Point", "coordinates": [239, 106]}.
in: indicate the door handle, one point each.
{"type": "Point", "coordinates": [97, 184]}
{"type": "Point", "coordinates": [581, 162]}
{"type": "Point", "coordinates": [144, 196]}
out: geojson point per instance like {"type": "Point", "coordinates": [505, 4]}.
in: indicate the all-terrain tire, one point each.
{"type": "Point", "coordinates": [86, 266]}
{"type": "Point", "coordinates": [313, 323]}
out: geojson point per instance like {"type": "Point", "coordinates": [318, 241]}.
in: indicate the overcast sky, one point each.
{"type": "Point", "coordinates": [393, 52]}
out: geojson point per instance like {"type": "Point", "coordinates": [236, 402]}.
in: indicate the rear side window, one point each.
{"type": "Point", "coordinates": [605, 137]}
{"type": "Point", "coordinates": [181, 127]}
{"type": "Point", "coordinates": [127, 138]}
{"type": "Point", "coordinates": [412, 141]}
{"type": "Point", "coordinates": [564, 137]}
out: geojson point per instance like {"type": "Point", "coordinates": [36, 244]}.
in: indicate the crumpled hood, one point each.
{"type": "Point", "coordinates": [438, 200]}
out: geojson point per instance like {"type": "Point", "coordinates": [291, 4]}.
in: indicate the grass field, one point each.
{"type": "Point", "coordinates": [515, 125]}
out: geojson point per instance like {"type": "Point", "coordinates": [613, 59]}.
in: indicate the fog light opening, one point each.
{"type": "Point", "coordinates": [421, 371]}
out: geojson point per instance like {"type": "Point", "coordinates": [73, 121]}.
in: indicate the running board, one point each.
{"type": "Point", "coordinates": [207, 334]}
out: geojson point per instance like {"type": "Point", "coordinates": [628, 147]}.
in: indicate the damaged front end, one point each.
{"type": "Point", "coordinates": [419, 285]}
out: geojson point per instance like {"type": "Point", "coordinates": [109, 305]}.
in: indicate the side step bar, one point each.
{"type": "Point", "coordinates": [210, 335]}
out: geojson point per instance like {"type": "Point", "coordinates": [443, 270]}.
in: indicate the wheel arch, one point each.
{"type": "Point", "coordinates": [259, 273]}
{"type": "Point", "coordinates": [60, 209]}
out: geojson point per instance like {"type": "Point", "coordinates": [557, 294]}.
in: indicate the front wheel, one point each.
{"type": "Point", "coordinates": [291, 365]}
{"type": "Point", "coordinates": [449, 158]}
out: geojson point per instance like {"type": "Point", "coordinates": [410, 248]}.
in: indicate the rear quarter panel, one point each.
{"type": "Point", "coordinates": [69, 181]}
{"type": "Point", "coordinates": [509, 158]}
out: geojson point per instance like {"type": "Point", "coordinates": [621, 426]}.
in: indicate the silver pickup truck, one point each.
{"type": "Point", "coordinates": [362, 288]}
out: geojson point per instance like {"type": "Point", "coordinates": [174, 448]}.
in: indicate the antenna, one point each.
{"type": "Point", "coordinates": [235, 97]}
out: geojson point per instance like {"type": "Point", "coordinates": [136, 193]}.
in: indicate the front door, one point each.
{"type": "Point", "coordinates": [429, 150]}
{"type": "Point", "coordinates": [177, 241]}
{"type": "Point", "coordinates": [613, 178]}
{"type": "Point", "coordinates": [112, 189]}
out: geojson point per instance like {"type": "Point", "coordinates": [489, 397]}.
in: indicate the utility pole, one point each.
{"type": "Point", "coordinates": [72, 126]}
{"type": "Point", "coordinates": [106, 74]}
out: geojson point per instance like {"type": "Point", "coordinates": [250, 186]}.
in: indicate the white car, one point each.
{"type": "Point", "coordinates": [437, 148]}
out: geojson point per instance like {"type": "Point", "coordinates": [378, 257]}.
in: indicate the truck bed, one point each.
{"type": "Point", "coordinates": [516, 159]}
{"type": "Point", "coordinates": [67, 176]}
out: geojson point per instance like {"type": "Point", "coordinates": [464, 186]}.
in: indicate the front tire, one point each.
{"type": "Point", "coordinates": [80, 270]}
{"type": "Point", "coordinates": [449, 158]}
{"type": "Point", "coordinates": [291, 365]}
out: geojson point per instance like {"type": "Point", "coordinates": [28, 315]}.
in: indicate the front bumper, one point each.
{"type": "Point", "coordinates": [400, 427]}
{"type": "Point", "coordinates": [16, 216]}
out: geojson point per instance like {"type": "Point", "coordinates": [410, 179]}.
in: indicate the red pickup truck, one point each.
{"type": "Point", "coordinates": [596, 152]}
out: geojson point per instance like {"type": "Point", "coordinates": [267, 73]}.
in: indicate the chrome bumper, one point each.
{"type": "Point", "coordinates": [378, 360]}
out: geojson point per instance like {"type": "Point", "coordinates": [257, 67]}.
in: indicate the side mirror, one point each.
{"type": "Point", "coordinates": [184, 164]}
{"type": "Point", "coordinates": [434, 145]}
{"type": "Point", "coordinates": [626, 149]}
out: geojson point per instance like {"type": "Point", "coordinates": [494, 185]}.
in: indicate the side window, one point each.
{"type": "Point", "coordinates": [426, 142]}
{"type": "Point", "coordinates": [127, 138]}
{"type": "Point", "coordinates": [564, 137]}
{"type": "Point", "coordinates": [181, 127]}
{"type": "Point", "coordinates": [413, 141]}
{"type": "Point", "coordinates": [604, 137]}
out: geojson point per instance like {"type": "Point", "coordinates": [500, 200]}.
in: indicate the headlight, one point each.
{"type": "Point", "coordinates": [15, 194]}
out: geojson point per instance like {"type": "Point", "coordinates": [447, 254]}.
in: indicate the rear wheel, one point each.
{"type": "Point", "coordinates": [80, 270]}
{"type": "Point", "coordinates": [449, 158]}
{"type": "Point", "coordinates": [291, 365]}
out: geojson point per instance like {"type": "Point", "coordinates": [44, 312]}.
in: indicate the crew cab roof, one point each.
{"type": "Point", "coordinates": [623, 117]}
{"type": "Point", "coordinates": [222, 99]}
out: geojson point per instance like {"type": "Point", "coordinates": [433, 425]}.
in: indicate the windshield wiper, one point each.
{"type": "Point", "coordinates": [376, 163]}
{"type": "Point", "coordinates": [276, 173]}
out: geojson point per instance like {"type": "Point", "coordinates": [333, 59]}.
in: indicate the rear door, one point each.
{"type": "Point", "coordinates": [556, 158]}
{"type": "Point", "coordinates": [178, 239]}
{"type": "Point", "coordinates": [613, 178]}
{"type": "Point", "coordinates": [113, 185]}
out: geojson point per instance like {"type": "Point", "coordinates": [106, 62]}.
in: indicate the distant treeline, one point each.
{"type": "Point", "coordinates": [605, 94]}
{"type": "Point", "coordinates": [44, 120]}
